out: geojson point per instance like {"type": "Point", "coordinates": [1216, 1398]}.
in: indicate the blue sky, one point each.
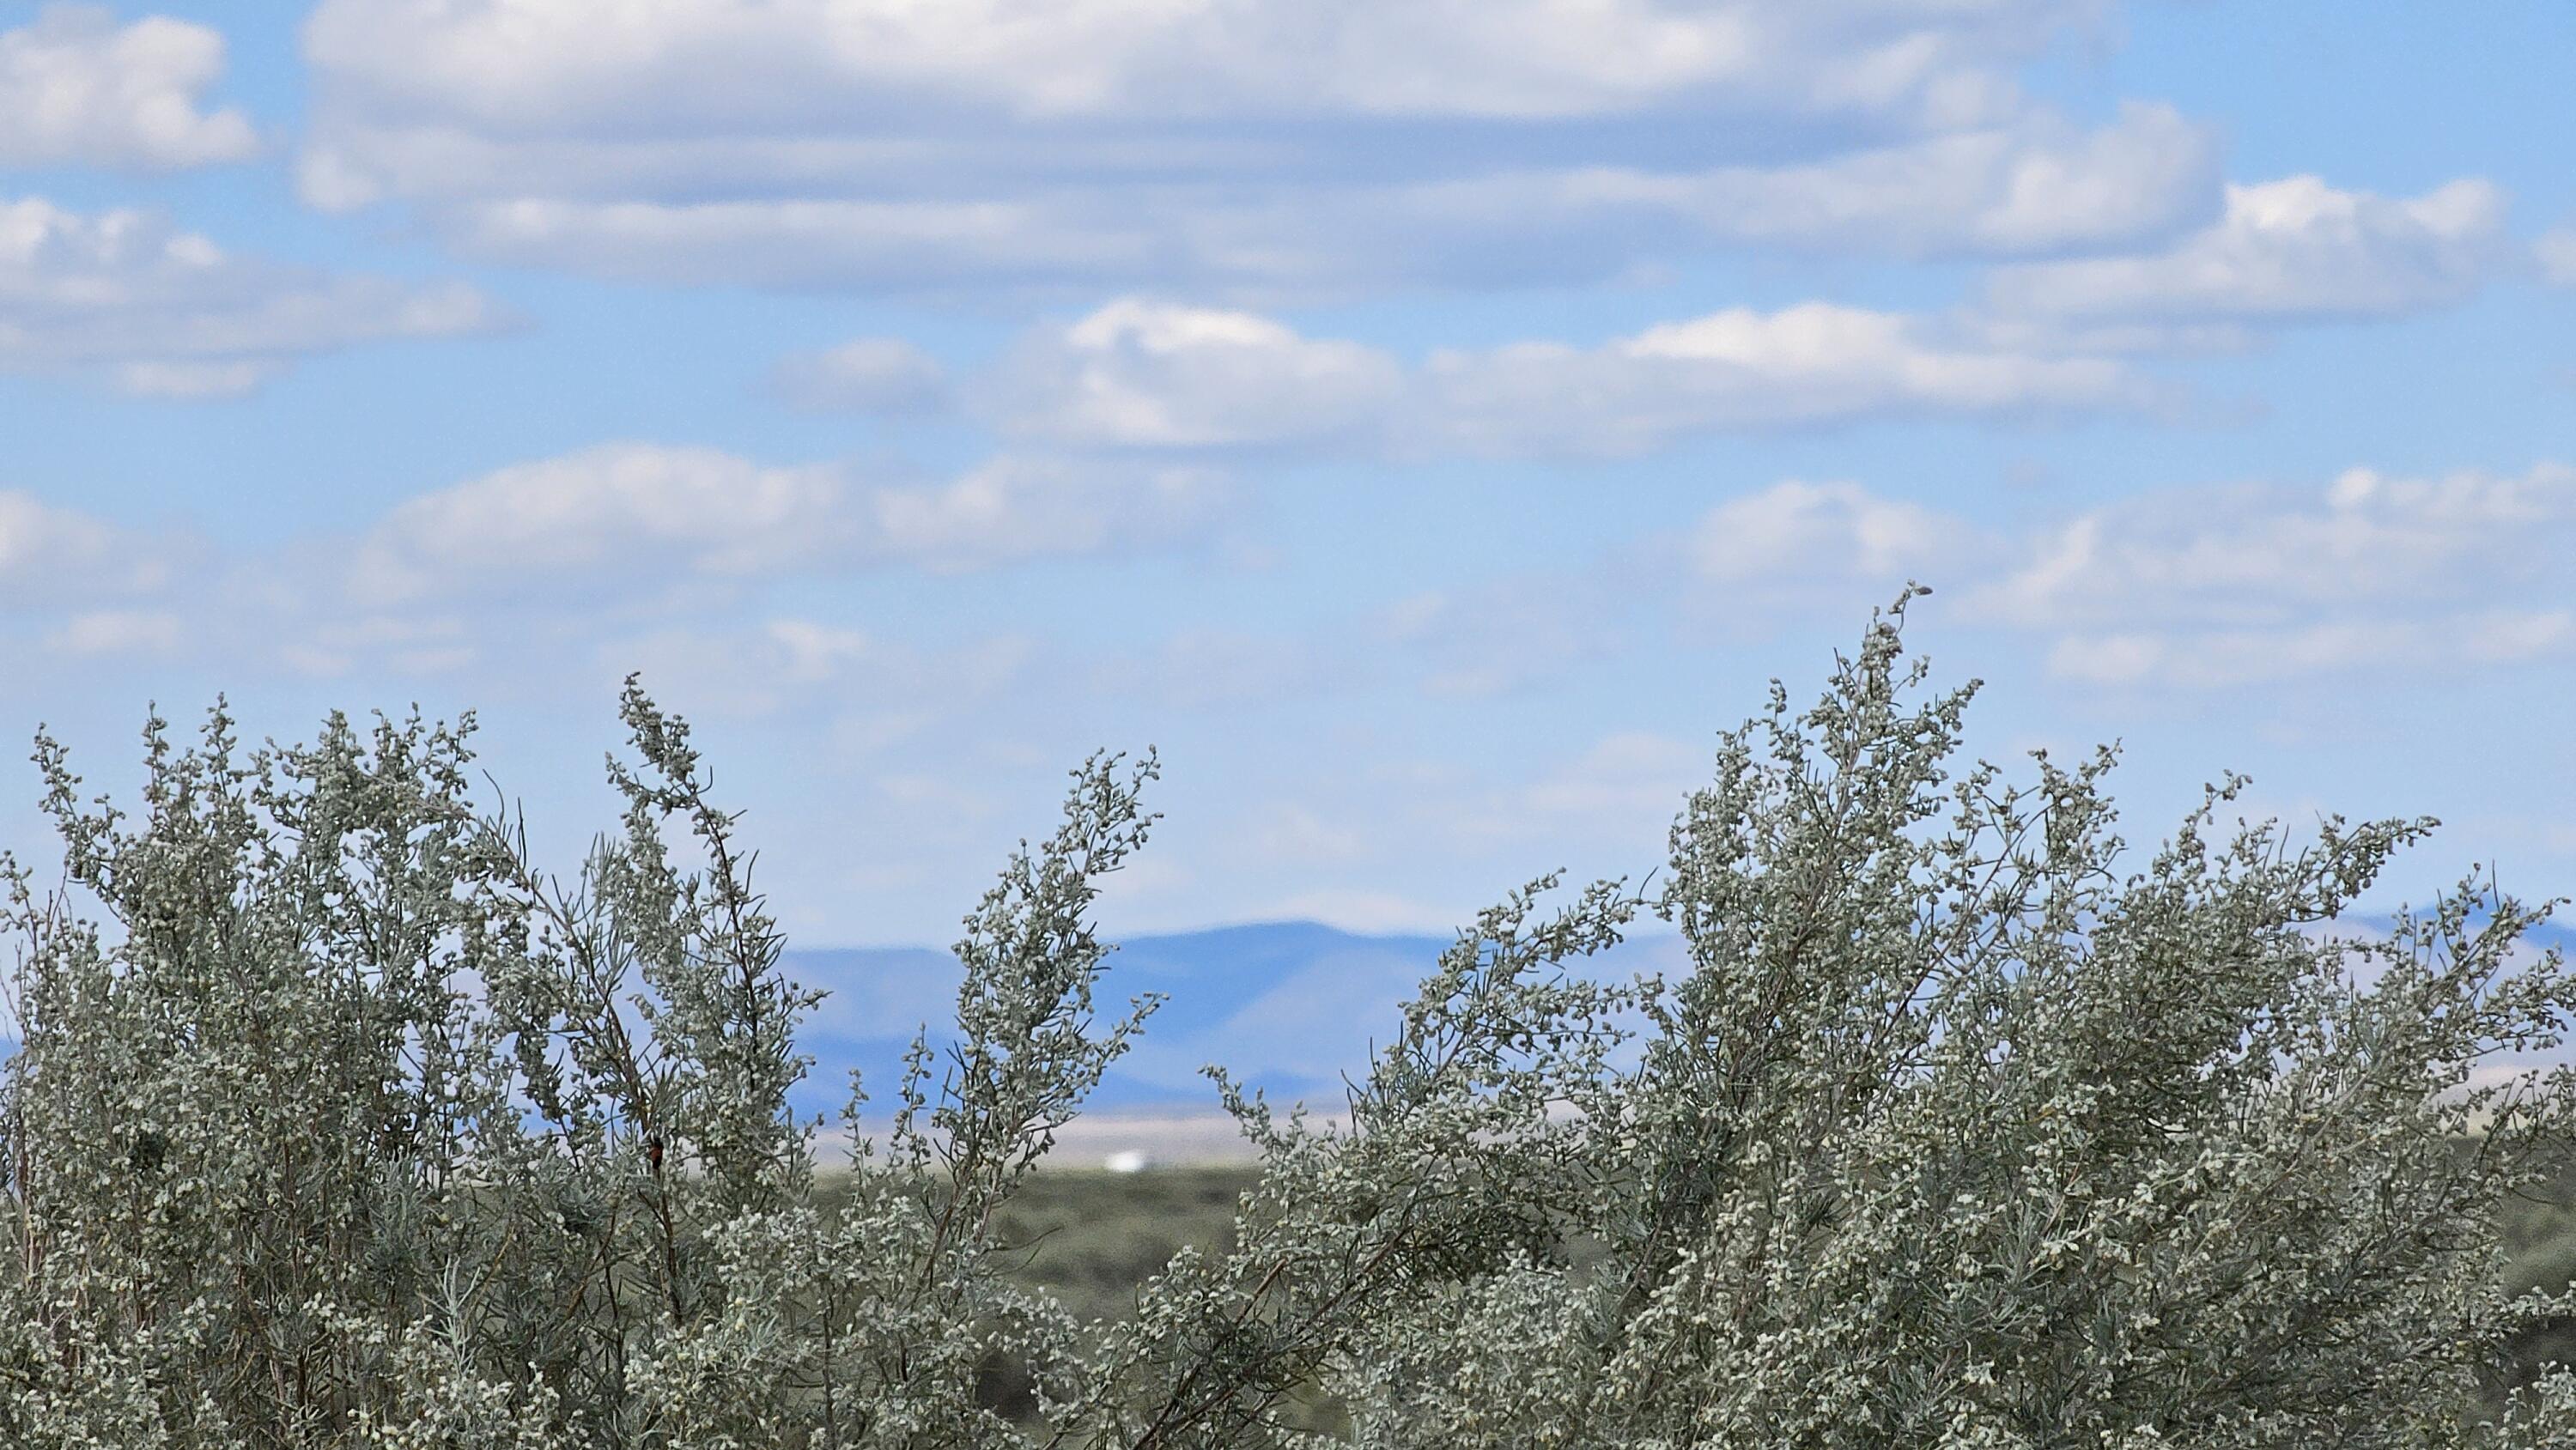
{"type": "Point", "coordinates": [1427, 423]}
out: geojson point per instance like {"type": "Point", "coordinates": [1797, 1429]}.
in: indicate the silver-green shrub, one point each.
{"type": "Point", "coordinates": [348, 1127]}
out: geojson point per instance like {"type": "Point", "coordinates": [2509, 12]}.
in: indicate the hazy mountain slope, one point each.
{"type": "Point", "coordinates": [1289, 1006]}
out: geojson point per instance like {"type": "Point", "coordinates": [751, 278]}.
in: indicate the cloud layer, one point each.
{"type": "Point", "coordinates": [1268, 147]}
{"type": "Point", "coordinates": [76, 87]}
{"type": "Point", "coordinates": [2226, 586]}
{"type": "Point", "coordinates": [1508, 59]}
{"type": "Point", "coordinates": [616, 514]}
{"type": "Point", "coordinates": [2290, 250]}
{"type": "Point", "coordinates": [169, 313]}
{"type": "Point", "coordinates": [1137, 374]}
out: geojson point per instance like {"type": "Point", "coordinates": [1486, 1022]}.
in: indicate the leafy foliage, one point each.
{"type": "Point", "coordinates": [351, 1128]}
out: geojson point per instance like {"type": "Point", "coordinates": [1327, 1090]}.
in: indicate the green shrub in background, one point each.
{"type": "Point", "coordinates": [350, 1128]}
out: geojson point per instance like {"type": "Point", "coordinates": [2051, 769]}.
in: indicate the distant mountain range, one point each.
{"type": "Point", "coordinates": [1287, 1006]}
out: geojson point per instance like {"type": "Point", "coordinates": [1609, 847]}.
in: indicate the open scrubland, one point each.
{"type": "Point", "coordinates": [1093, 1238]}
{"type": "Point", "coordinates": [337, 1122]}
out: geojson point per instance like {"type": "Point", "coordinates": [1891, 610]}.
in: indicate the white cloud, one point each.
{"type": "Point", "coordinates": [2254, 554]}
{"type": "Point", "coordinates": [76, 87]}
{"type": "Point", "coordinates": [510, 62]}
{"type": "Point", "coordinates": [1808, 365]}
{"type": "Point", "coordinates": [1142, 374]}
{"type": "Point", "coordinates": [1015, 508]}
{"type": "Point", "coordinates": [1267, 147]}
{"type": "Point", "coordinates": [1312, 232]}
{"type": "Point", "coordinates": [192, 379]}
{"type": "Point", "coordinates": [886, 376]}
{"type": "Point", "coordinates": [2178, 587]}
{"type": "Point", "coordinates": [2216, 658]}
{"type": "Point", "coordinates": [1799, 551]}
{"type": "Point", "coordinates": [167, 313]}
{"type": "Point", "coordinates": [617, 507]}
{"type": "Point", "coordinates": [2205, 587]}
{"type": "Point", "coordinates": [2038, 185]}
{"type": "Point", "coordinates": [612, 514]}
{"type": "Point", "coordinates": [2286, 250]}
{"type": "Point", "coordinates": [1822, 533]}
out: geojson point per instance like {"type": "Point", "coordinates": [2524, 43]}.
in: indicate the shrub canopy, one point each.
{"type": "Point", "coordinates": [350, 1128]}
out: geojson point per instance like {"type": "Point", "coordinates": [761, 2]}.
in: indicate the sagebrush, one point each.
{"type": "Point", "coordinates": [346, 1126]}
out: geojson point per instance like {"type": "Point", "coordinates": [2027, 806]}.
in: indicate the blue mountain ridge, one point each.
{"type": "Point", "coordinates": [1288, 1007]}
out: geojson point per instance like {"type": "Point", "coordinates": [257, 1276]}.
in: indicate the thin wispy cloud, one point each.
{"type": "Point", "coordinates": [156, 310]}
{"type": "Point", "coordinates": [53, 555]}
{"type": "Point", "coordinates": [2556, 253]}
{"type": "Point", "coordinates": [628, 515]}
{"type": "Point", "coordinates": [883, 376]}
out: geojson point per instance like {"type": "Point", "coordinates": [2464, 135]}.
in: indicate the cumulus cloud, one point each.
{"type": "Point", "coordinates": [1800, 550]}
{"type": "Point", "coordinates": [76, 87]}
{"type": "Point", "coordinates": [1825, 532]}
{"type": "Point", "coordinates": [168, 313]}
{"type": "Point", "coordinates": [2289, 250]}
{"type": "Point", "coordinates": [2251, 553]}
{"type": "Point", "coordinates": [615, 513]}
{"type": "Point", "coordinates": [611, 507]}
{"type": "Point", "coordinates": [2175, 587]}
{"type": "Point", "coordinates": [1142, 375]}
{"type": "Point", "coordinates": [517, 570]}
{"type": "Point", "coordinates": [1742, 369]}
{"type": "Point", "coordinates": [1273, 147]}
{"type": "Point", "coordinates": [2218, 585]}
